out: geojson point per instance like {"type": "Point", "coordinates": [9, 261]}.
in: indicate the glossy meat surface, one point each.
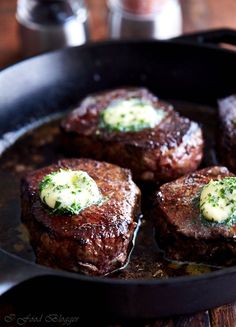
{"type": "Point", "coordinates": [181, 231]}
{"type": "Point", "coordinates": [97, 240]}
{"type": "Point", "coordinates": [165, 152]}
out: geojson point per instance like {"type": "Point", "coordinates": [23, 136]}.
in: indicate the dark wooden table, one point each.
{"type": "Point", "coordinates": [197, 15]}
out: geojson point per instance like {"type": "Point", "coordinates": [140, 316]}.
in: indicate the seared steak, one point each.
{"type": "Point", "coordinates": [227, 140]}
{"type": "Point", "coordinates": [97, 240]}
{"type": "Point", "coordinates": [168, 150]}
{"type": "Point", "coordinates": [181, 231]}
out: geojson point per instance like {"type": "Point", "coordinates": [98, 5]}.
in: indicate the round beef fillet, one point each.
{"type": "Point", "coordinates": [181, 231]}
{"type": "Point", "coordinates": [171, 149]}
{"type": "Point", "coordinates": [98, 240]}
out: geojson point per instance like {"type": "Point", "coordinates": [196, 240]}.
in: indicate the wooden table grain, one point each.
{"type": "Point", "coordinates": [197, 15]}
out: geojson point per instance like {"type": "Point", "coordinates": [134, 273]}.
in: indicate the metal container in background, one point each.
{"type": "Point", "coordinates": [46, 25]}
{"type": "Point", "coordinates": [165, 21]}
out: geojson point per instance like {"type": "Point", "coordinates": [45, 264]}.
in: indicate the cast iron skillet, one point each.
{"type": "Point", "coordinates": [177, 69]}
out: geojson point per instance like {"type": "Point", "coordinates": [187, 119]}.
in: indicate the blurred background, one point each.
{"type": "Point", "coordinates": [101, 19]}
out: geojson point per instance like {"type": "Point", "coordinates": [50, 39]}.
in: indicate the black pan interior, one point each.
{"type": "Point", "coordinates": [192, 77]}
{"type": "Point", "coordinates": [35, 92]}
{"type": "Point", "coordinates": [41, 146]}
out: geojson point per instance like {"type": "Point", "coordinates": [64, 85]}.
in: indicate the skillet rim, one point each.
{"type": "Point", "coordinates": [117, 281]}
{"type": "Point", "coordinates": [90, 44]}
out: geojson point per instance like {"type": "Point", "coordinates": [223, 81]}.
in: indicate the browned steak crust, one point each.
{"type": "Point", "coordinates": [98, 240]}
{"type": "Point", "coordinates": [227, 139]}
{"type": "Point", "coordinates": [181, 231]}
{"type": "Point", "coordinates": [165, 152]}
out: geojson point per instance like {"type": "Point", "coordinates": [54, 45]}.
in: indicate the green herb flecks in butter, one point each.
{"type": "Point", "coordinates": [69, 191]}
{"type": "Point", "coordinates": [218, 200]}
{"type": "Point", "coordinates": [130, 115]}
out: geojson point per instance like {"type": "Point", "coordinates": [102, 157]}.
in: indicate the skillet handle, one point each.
{"type": "Point", "coordinates": [14, 271]}
{"type": "Point", "coordinates": [210, 37]}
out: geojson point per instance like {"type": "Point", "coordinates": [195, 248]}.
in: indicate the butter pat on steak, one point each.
{"type": "Point", "coordinates": [181, 229]}
{"type": "Point", "coordinates": [134, 129]}
{"type": "Point", "coordinates": [98, 239]}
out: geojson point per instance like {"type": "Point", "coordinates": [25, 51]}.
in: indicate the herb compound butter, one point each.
{"type": "Point", "coordinates": [218, 200]}
{"type": "Point", "coordinates": [130, 115]}
{"type": "Point", "coordinates": [69, 191]}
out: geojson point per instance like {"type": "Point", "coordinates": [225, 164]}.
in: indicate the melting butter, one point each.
{"type": "Point", "coordinates": [218, 200]}
{"type": "Point", "coordinates": [69, 191]}
{"type": "Point", "coordinates": [131, 115]}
